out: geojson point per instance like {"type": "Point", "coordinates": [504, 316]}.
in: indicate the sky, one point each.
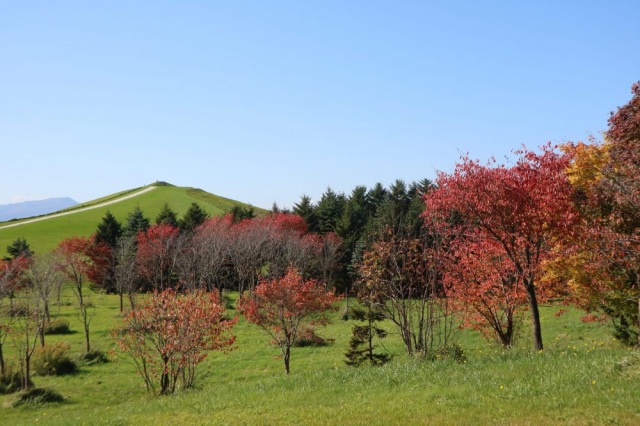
{"type": "Point", "coordinates": [264, 101]}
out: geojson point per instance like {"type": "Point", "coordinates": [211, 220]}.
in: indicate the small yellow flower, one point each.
{"type": "Point", "coordinates": [501, 387]}
{"type": "Point", "coordinates": [593, 382]}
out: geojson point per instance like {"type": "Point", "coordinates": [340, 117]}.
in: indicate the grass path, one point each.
{"type": "Point", "coordinates": [97, 206]}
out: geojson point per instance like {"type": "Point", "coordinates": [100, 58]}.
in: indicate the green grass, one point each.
{"type": "Point", "coordinates": [44, 235]}
{"type": "Point", "coordinates": [582, 377]}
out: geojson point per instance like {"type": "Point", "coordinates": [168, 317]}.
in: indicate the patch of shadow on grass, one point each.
{"type": "Point", "coordinates": [95, 356]}
{"type": "Point", "coordinates": [38, 396]}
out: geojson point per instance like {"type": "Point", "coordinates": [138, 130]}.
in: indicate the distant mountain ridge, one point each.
{"type": "Point", "coordinates": [34, 208]}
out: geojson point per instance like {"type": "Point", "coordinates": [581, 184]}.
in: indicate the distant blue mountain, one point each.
{"type": "Point", "coordinates": [34, 208]}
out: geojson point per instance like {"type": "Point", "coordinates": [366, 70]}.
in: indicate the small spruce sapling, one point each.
{"type": "Point", "coordinates": [361, 347]}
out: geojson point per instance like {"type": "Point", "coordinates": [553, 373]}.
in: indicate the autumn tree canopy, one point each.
{"type": "Point", "coordinates": [281, 306]}
{"type": "Point", "coordinates": [518, 209]}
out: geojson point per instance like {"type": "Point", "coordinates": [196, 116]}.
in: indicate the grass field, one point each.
{"type": "Point", "coordinates": [582, 377]}
{"type": "Point", "coordinates": [44, 235]}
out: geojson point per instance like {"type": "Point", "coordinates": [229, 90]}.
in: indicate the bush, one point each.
{"type": "Point", "coordinates": [308, 337]}
{"type": "Point", "coordinates": [53, 360]}
{"type": "Point", "coordinates": [94, 356]}
{"type": "Point", "coordinates": [57, 326]}
{"type": "Point", "coordinates": [11, 381]}
{"type": "Point", "coordinates": [38, 396]}
{"type": "Point", "coordinates": [453, 352]}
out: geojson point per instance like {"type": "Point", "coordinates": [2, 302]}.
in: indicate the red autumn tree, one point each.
{"type": "Point", "coordinates": [74, 261]}
{"type": "Point", "coordinates": [157, 255]}
{"type": "Point", "coordinates": [517, 209]}
{"type": "Point", "coordinates": [102, 264]}
{"type": "Point", "coordinates": [281, 306]}
{"type": "Point", "coordinates": [169, 335]}
{"type": "Point", "coordinates": [486, 287]}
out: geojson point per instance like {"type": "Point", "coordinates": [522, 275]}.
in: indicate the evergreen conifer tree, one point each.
{"type": "Point", "coordinates": [19, 247]}
{"type": "Point", "coordinates": [136, 222]}
{"type": "Point", "coordinates": [167, 216]}
{"type": "Point", "coordinates": [306, 210]}
{"type": "Point", "coordinates": [109, 230]}
{"type": "Point", "coordinates": [193, 217]}
{"type": "Point", "coordinates": [329, 210]}
{"type": "Point", "coordinates": [239, 213]}
{"type": "Point", "coordinates": [361, 347]}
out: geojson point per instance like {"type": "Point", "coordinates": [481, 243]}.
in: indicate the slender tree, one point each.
{"type": "Point", "coordinates": [44, 279]}
{"type": "Point", "coordinates": [74, 261]}
{"type": "Point", "coordinates": [281, 306]}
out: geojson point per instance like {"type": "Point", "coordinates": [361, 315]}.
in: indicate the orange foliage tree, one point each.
{"type": "Point", "coordinates": [169, 335]}
{"type": "Point", "coordinates": [602, 263]}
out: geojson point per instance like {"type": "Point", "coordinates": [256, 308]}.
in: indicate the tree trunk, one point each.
{"type": "Point", "coordinates": [3, 366]}
{"type": "Point", "coordinates": [132, 301]}
{"type": "Point", "coordinates": [41, 334]}
{"type": "Point", "coordinates": [121, 301]}
{"type": "Point", "coordinates": [535, 316]}
{"type": "Point", "coordinates": [164, 384]}
{"type": "Point", "coordinates": [26, 383]}
{"type": "Point", "coordinates": [287, 355]}
{"type": "Point", "coordinates": [86, 331]}
{"type": "Point", "coordinates": [83, 312]}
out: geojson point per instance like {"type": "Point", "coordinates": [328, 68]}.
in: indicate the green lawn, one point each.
{"type": "Point", "coordinates": [44, 235]}
{"type": "Point", "coordinates": [583, 377]}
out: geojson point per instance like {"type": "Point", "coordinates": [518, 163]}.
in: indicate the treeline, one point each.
{"type": "Point", "coordinates": [231, 252]}
{"type": "Point", "coordinates": [363, 217]}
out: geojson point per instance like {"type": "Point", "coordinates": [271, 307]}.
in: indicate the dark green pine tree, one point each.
{"type": "Point", "coordinates": [239, 213]}
{"type": "Point", "coordinates": [167, 216]}
{"type": "Point", "coordinates": [329, 210]}
{"type": "Point", "coordinates": [350, 228]}
{"type": "Point", "coordinates": [375, 199]}
{"type": "Point", "coordinates": [19, 247]}
{"type": "Point", "coordinates": [136, 222]}
{"type": "Point", "coordinates": [392, 213]}
{"type": "Point", "coordinates": [361, 347]}
{"type": "Point", "coordinates": [109, 230]}
{"type": "Point", "coordinates": [306, 210]}
{"type": "Point", "coordinates": [193, 217]}
{"type": "Point", "coordinates": [413, 219]}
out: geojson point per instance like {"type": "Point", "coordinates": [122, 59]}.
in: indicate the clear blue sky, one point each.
{"type": "Point", "coordinates": [264, 101]}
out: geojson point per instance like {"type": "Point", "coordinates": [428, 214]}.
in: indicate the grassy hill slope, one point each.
{"type": "Point", "coordinates": [46, 234]}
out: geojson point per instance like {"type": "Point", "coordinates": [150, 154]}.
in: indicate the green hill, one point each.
{"type": "Point", "coordinates": [45, 232]}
